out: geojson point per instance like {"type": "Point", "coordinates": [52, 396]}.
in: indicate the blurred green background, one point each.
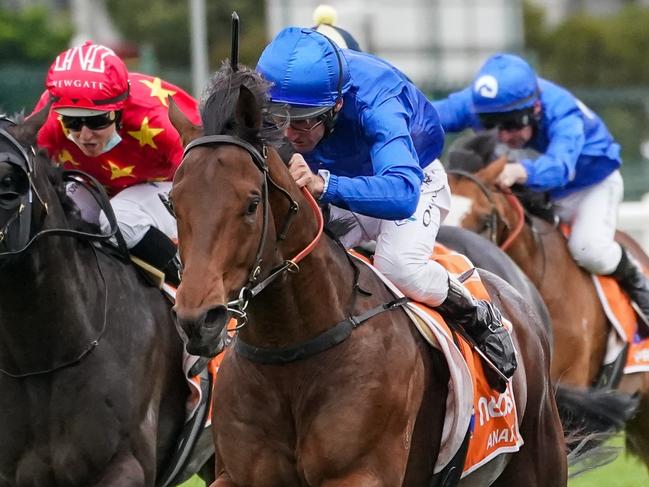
{"type": "Point", "coordinates": [603, 59]}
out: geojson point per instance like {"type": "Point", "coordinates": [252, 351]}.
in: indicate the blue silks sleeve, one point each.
{"type": "Point", "coordinates": [556, 167]}
{"type": "Point", "coordinates": [392, 192]}
{"type": "Point", "coordinates": [455, 111]}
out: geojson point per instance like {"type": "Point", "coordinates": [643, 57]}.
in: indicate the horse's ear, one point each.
{"type": "Point", "coordinates": [27, 131]}
{"type": "Point", "coordinates": [186, 129]}
{"type": "Point", "coordinates": [490, 173]}
{"type": "Point", "coordinates": [248, 113]}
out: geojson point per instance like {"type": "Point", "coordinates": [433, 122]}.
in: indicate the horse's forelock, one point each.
{"type": "Point", "coordinates": [219, 103]}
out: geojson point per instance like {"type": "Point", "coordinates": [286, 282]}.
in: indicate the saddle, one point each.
{"type": "Point", "coordinates": [489, 416]}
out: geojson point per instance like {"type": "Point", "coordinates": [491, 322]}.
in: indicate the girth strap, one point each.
{"type": "Point", "coordinates": [330, 338]}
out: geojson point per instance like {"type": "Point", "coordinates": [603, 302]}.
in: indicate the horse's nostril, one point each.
{"type": "Point", "coordinates": [215, 316]}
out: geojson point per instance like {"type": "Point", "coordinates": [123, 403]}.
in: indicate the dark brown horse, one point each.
{"type": "Point", "coordinates": [93, 392]}
{"type": "Point", "coordinates": [307, 395]}
{"type": "Point", "coordinates": [580, 326]}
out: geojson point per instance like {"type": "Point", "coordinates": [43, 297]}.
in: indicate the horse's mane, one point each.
{"type": "Point", "coordinates": [472, 152]}
{"type": "Point", "coordinates": [219, 103]}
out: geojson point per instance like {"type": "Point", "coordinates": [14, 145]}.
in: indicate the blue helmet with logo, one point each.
{"type": "Point", "coordinates": [308, 71]}
{"type": "Point", "coordinates": [505, 83]}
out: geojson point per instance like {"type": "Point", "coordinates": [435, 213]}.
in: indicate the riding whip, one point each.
{"type": "Point", "coordinates": [234, 53]}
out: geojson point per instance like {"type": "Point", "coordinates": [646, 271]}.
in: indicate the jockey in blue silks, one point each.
{"type": "Point", "coordinates": [367, 142]}
{"type": "Point", "coordinates": [578, 163]}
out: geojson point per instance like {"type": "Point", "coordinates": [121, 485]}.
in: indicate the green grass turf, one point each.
{"type": "Point", "coordinates": [194, 482]}
{"type": "Point", "coordinates": [625, 471]}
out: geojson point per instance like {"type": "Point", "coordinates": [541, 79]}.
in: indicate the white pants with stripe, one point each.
{"type": "Point", "coordinates": [404, 247]}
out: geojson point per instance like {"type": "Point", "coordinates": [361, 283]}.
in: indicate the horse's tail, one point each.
{"type": "Point", "coordinates": [589, 418]}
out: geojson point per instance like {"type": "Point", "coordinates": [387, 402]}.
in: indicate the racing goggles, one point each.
{"type": "Point", "coordinates": [508, 122]}
{"type": "Point", "coordinates": [307, 125]}
{"type": "Point", "coordinates": [93, 122]}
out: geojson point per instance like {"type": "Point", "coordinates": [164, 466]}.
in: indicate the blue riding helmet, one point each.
{"type": "Point", "coordinates": [504, 83]}
{"type": "Point", "coordinates": [308, 71]}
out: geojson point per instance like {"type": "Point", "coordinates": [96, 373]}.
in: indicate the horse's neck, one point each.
{"type": "Point", "coordinates": [305, 303]}
{"type": "Point", "coordinates": [51, 301]}
{"type": "Point", "coordinates": [532, 251]}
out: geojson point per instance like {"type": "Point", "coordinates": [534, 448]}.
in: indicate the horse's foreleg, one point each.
{"type": "Point", "coordinates": [124, 471]}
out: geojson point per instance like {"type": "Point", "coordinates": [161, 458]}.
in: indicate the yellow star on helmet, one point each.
{"type": "Point", "coordinates": [146, 134]}
{"type": "Point", "coordinates": [157, 90]}
{"type": "Point", "coordinates": [65, 156]}
{"type": "Point", "coordinates": [119, 172]}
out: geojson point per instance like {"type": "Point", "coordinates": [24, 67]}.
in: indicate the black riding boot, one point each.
{"type": "Point", "coordinates": [629, 274]}
{"type": "Point", "coordinates": [158, 250]}
{"type": "Point", "coordinates": [481, 322]}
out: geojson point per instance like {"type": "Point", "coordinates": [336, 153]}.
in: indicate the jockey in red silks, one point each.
{"type": "Point", "coordinates": [367, 143]}
{"type": "Point", "coordinates": [113, 125]}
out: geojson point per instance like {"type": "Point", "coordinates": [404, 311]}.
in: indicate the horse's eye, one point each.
{"type": "Point", "coordinates": [252, 206]}
{"type": "Point", "coordinates": [8, 181]}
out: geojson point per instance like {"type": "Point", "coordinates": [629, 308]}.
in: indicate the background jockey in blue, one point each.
{"type": "Point", "coordinates": [367, 142]}
{"type": "Point", "coordinates": [578, 163]}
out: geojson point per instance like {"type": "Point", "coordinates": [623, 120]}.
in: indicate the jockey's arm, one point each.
{"type": "Point", "coordinates": [455, 111]}
{"type": "Point", "coordinates": [556, 167]}
{"type": "Point", "coordinates": [392, 192]}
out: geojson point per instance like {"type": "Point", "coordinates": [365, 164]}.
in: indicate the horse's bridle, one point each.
{"type": "Point", "coordinates": [21, 204]}
{"type": "Point", "coordinates": [253, 286]}
{"type": "Point", "coordinates": [494, 216]}
{"type": "Point", "coordinates": [22, 213]}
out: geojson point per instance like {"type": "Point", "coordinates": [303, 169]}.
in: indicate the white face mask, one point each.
{"type": "Point", "coordinates": [112, 142]}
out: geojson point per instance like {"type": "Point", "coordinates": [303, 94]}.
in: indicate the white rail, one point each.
{"type": "Point", "coordinates": [633, 218]}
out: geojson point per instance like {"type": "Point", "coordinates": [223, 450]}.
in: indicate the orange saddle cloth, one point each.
{"type": "Point", "coordinates": [624, 322]}
{"type": "Point", "coordinates": [472, 405]}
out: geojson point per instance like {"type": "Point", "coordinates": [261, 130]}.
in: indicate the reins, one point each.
{"type": "Point", "coordinates": [515, 203]}
{"type": "Point", "coordinates": [494, 216]}
{"type": "Point", "coordinates": [254, 286]}
{"type": "Point", "coordinates": [329, 338]}
{"type": "Point", "coordinates": [86, 351]}
{"type": "Point", "coordinates": [26, 165]}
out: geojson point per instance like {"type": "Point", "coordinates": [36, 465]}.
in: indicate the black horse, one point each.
{"type": "Point", "coordinates": [92, 386]}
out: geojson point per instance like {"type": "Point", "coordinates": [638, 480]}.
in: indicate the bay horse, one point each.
{"type": "Point", "coordinates": [579, 323]}
{"type": "Point", "coordinates": [93, 392]}
{"type": "Point", "coordinates": [325, 384]}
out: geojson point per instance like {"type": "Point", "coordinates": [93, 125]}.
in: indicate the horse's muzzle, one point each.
{"type": "Point", "coordinates": [203, 333]}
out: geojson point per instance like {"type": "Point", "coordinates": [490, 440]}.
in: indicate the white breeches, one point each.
{"type": "Point", "coordinates": [136, 208]}
{"type": "Point", "coordinates": [592, 214]}
{"type": "Point", "coordinates": [404, 247]}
